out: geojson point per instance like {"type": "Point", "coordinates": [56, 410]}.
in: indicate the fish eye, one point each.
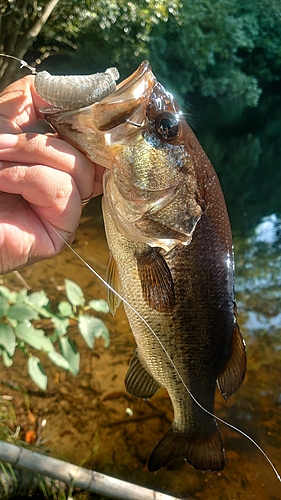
{"type": "Point", "coordinates": [167, 126]}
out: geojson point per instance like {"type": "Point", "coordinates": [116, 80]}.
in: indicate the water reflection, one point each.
{"type": "Point", "coordinates": [269, 230]}
{"type": "Point", "coordinates": [258, 276]}
{"type": "Point", "coordinates": [244, 145]}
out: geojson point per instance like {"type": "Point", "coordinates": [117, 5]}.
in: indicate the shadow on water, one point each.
{"type": "Point", "coordinates": [93, 420]}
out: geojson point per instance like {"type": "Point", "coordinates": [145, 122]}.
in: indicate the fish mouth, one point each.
{"type": "Point", "coordinates": [119, 118]}
{"type": "Point", "coordinates": [127, 102]}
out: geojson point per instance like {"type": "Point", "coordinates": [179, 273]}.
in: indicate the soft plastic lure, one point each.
{"type": "Point", "coordinates": [75, 91]}
{"type": "Point", "coordinates": [72, 91]}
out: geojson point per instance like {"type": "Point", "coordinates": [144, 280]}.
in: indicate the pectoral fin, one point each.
{"type": "Point", "coordinates": [156, 281]}
{"type": "Point", "coordinates": [233, 374]}
{"type": "Point", "coordinates": [138, 381]}
{"type": "Point", "coordinates": [112, 278]}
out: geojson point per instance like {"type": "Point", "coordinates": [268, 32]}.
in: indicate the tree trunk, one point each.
{"type": "Point", "coordinates": [18, 44]}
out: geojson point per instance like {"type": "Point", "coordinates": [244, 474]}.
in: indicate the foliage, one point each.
{"type": "Point", "coordinates": [220, 48]}
{"type": "Point", "coordinates": [244, 146]}
{"type": "Point", "coordinates": [51, 27]}
{"type": "Point", "coordinates": [264, 60]}
{"type": "Point", "coordinates": [199, 49]}
{"type": "Point", "coordinates": [19, 313]}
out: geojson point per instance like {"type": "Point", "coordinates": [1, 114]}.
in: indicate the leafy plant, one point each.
{"type": "Point", "coordinates": [19, 312]}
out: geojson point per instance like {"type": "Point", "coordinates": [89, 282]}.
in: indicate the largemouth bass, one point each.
{"type": "Point", "coordinates": [171, 258]}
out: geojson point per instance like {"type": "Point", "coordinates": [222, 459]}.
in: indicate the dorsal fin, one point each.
{"type": "Point", "coordinates": [156, 281]}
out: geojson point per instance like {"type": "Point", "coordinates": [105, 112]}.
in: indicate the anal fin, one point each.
{"type": "Point", "coordinates": [112, 278]}
{"type": "Point", "coordinates": [138, 381]}
{"type": "Point", "coordinates": [233, 374]}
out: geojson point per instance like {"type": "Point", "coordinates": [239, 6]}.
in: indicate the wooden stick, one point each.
{"type": "Point", "coordinates": [79, 477]}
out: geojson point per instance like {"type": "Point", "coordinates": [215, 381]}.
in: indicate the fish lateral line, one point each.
{"type": "Point", "coordinates": [231, 426]}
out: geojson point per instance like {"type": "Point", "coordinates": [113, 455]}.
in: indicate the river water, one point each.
{"type": "Point", "coordinates": [92, 420]}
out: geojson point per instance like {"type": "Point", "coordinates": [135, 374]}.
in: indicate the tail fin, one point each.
{"type": "Point", "coordinates": [205, 453]}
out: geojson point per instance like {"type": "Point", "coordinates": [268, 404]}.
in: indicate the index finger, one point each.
{"type": "Point", "coordinates": [19, 105]}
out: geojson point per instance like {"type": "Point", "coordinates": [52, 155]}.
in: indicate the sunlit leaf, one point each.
{"type": "Point", "coordinates": [21, 296]}
{"type": "Point", "coordinates": [22, 312]}
{"type": "Point", "coordinates": [70, 353]}
{"type": "Point", "coordinates": [61, 326]}
{"type": "Point", "coordinates": [102, 331]}
{"type": "Point", "coordinates": [34, 337]}
{"type": "Point", "coordinates": [74, 293]}
{"type": "Point", "coordinates": [7, 360]}
{"type": "Point", "coordinates": [5, 292]}
{"type": "Point", "coordinates": [36, 372]}
{"type": "Point", "coordinates": [99, 305]}
{"type": "Point", "coordinates": [65, 309]}
{"type": "Point", "coordinates": [91, 328]}
{"type": "Point", "coordinates": [58, 360]}
{"type": "Point", "coordinates": [7, 338]}
{"type": "Point", "coordinates": [40, 299]}
{"type": "Point", "coordinates": [4, 305]}
{"type": "Point", "coordinates": [42, 311]}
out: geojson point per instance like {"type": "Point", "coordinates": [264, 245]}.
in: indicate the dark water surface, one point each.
{"type": "Point", "coordinates": [92, 420]}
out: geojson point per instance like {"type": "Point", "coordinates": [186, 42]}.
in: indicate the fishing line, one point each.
{"type": "Point", "coordinates": [22, 62]}
{"type": "Point", "coordinates": [166, 352]}
{"type": "Point", "coordinates": [33, 71]}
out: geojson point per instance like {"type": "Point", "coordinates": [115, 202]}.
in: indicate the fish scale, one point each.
{"type": "Point", "coordinates": [171, 258]}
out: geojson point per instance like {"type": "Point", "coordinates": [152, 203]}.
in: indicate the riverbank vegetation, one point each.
{"type": "Point", "coordinates": [218, 48]}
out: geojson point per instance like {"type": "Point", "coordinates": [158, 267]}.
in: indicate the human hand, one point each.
{"type": "Point", "coordinates": [42, 181]}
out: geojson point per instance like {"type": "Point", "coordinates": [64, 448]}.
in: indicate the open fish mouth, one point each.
{"type": "Point", "coordinates": [117, 118]}
{"type": "Point", "coordinates": [138, 85]}
{"type": "Point", "coordinates": [128, 102]}
{"type": "Point", "coordinates": [116, 107]}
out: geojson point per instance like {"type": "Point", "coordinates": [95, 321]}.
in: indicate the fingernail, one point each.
{"type": "Point", "coordinates": [8, 140]}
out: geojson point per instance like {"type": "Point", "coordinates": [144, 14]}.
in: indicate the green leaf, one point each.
{"type": "Point", "coordinates": [21, 296]}
{"type": "Point", "coordinates": [58, 360]}
{"type": "Point", "coordinates": [36, 372]}
{"type": "Point", "coordinates": [7, 360]}
{"type": "Point", "coordinates": [34, 337]}
{"type": "Point", "coordinates": [61, 326]}
{"type": "Point", "coordinates": [99, 305]}
{"type": "Point", "coordinates": [4, 306]}
{"type": "Point", "coordinates": [39, 299]}
{"type": "Point", "coordinates": [91, 328]}
{"type": "Point", "coordinates": [7, 338]}
{"type": "Point", "coordinates": [42, 311]}
{"type": "Point", "coordinates": [13, 323]}
{"type": "Point", "coordinates": [65, 309]}
{"type": "Point", "coordinates": [21, 312]}
{"type": "Point", "coordinates": [74, 293]}
{"type": "Point", "coordinates": [70, 353]}
{"type": "Point", "coordinates": [5, 292]}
